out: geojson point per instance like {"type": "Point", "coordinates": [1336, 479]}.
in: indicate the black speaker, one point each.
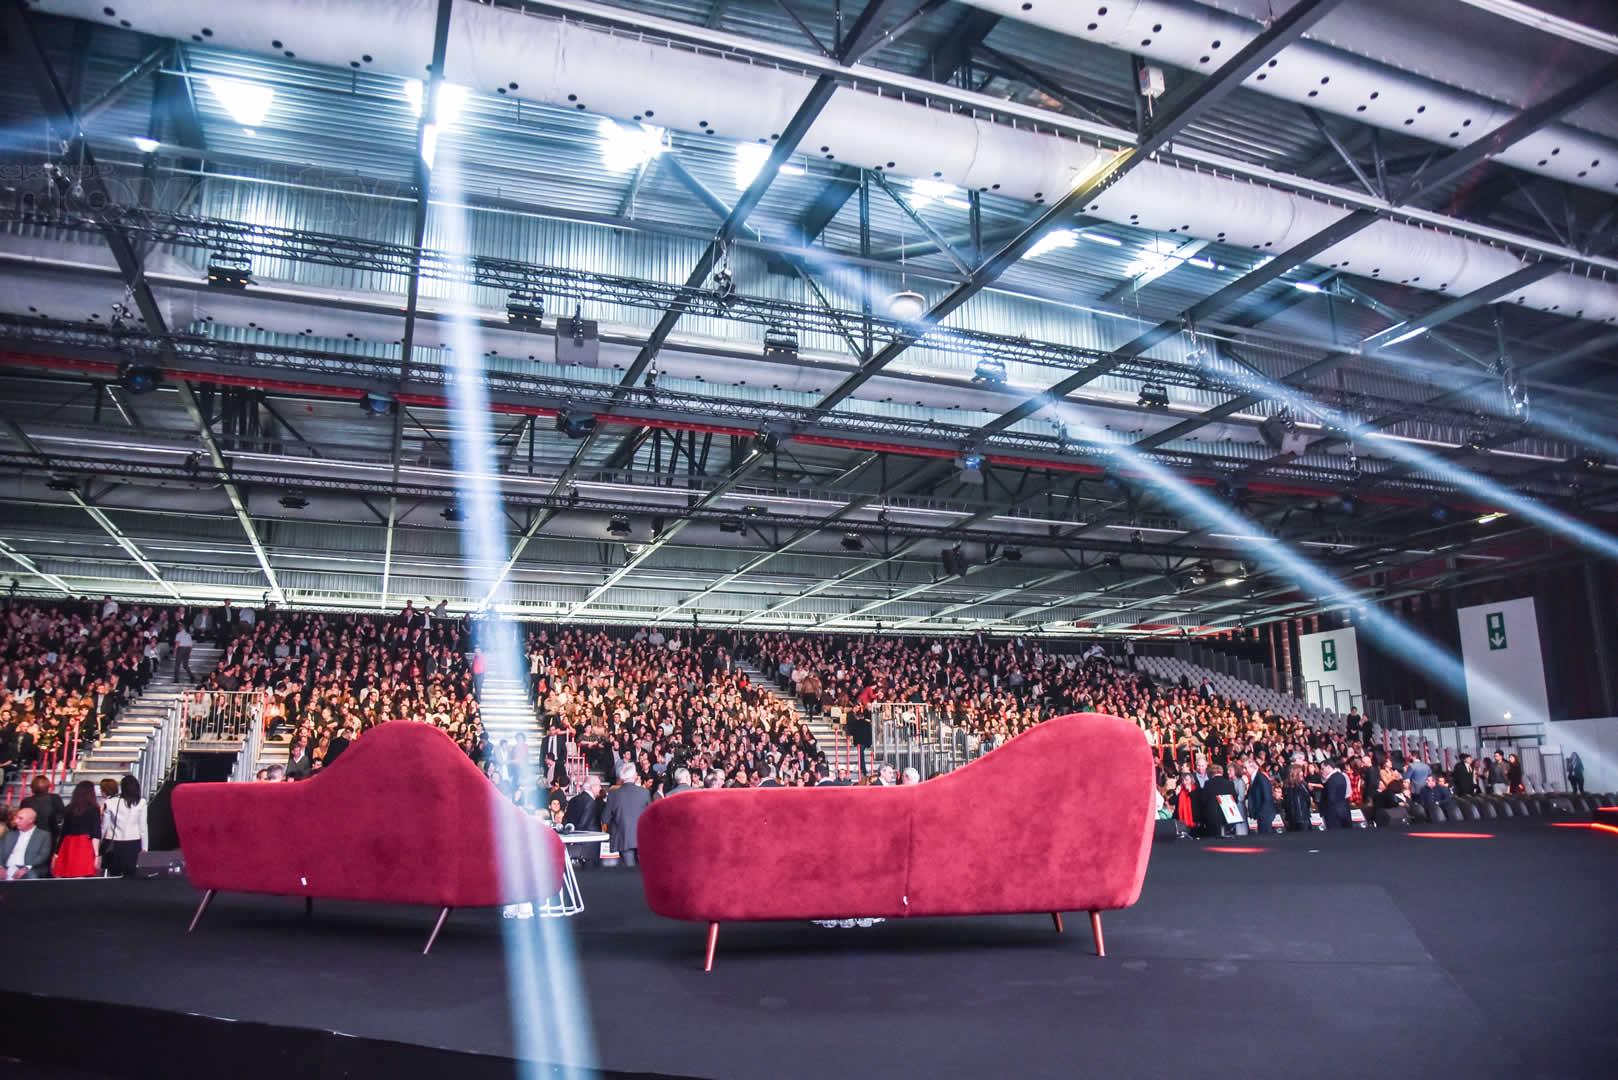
{"type": "Point", "coordinates": [156, 864]}
{"type": "Point", "coordinates": [1164, 829]}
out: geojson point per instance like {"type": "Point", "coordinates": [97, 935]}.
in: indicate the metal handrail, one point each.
{"type": "Point", "coordinates": [246, 767]}
{"type": "Point", "coordinates": [151, 768]}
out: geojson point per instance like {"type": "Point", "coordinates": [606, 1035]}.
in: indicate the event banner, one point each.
{"type": "Point", "coordinates": [1505, 670]}
{"type": "Point", "coordinates": [1330, 663]}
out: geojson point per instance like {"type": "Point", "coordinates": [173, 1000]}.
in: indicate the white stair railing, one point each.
{"type": "Point", "coordinates": [156, 758]}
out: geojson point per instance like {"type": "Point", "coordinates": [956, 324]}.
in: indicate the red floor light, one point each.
{"type": "Point", "coordinates": [1607, 809]}
{"type": "Point", "coordinates": [1238, 850]}
{"type": "Point", "coordinates": [1452, 835]}
{"type": "Point", "coordinates": [1597, 825]}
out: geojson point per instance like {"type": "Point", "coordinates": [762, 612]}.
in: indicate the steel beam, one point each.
{"type": "Point", "coordinates": [25, 45]}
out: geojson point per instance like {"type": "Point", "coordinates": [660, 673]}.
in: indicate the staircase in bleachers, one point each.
{"type": "Point", "coordinates": [1170, 669]}
{"type": "Point", "coordinates": [839, 749]}
{"type": "Point", "coordinates": [138, 722]}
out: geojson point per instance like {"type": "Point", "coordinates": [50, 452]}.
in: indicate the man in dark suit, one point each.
{"type": "Point", "coordinates": [554, 752]}
{"type": "Point", "coordinates": [1214, 822]}
{"type": "Point", "coordinates": [25, 851]}
{"type": "Point", "coordinates": [48, 807]}
{"type": "Point", "coordinates": [1462, 781]}
{"type": "Point", "coordinates": [583, 814]}
{"type": "Point", "coordinates": [625, 804]}
{"type": "Point", "coordinates": [824, 774]}
{"type": "Point", "coordinates": [1260, 797]}
{"type": "Point", "coordinates": [769, 779]}
{"type": "Point", "coordinates": [1334, 796]}
{"type": "Point", "coordinates": [682, 781]}
{"type": "Point", "coordinates": [339, 742]}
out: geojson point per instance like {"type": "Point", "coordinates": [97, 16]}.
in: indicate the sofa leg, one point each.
{"type": "Point", "coordinates": [443, 913]}
{"type": "Point", "coordinates": [308, 906]}
{"type": "Point", "coordinates": [1095, 931]}
{"type": "Point", "coordinates": [713, 940]}
{"type": "Point", "coordinates": [1056, 917]}
{"type": "Point", "coordinates": [207, 898]}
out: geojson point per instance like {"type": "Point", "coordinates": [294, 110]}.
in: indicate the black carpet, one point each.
{"type": "Point", "coordinates": [1344, 954]}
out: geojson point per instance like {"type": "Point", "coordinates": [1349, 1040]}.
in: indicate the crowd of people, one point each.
{"type": "Point", "coordinates": [69, 668]}
{"type": "Point", "coordinates": [668, 710]}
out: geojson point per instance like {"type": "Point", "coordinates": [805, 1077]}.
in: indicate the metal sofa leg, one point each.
{"type": "Point", "coordinates": [443, 913]}
{"type": "Point", "coordinates": [207, 898]}
{"type": "Point", "coordinates": [308, 906]}
{"type": "Point", "coordinates": [1056, 917]}
{"type": "Point", "coordinates": [1095, 932]}
{"type": "Point", "coordinates": [713, 940]}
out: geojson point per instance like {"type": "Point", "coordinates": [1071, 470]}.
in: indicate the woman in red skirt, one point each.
{"type": "Point", "coordinates": [81, 835]}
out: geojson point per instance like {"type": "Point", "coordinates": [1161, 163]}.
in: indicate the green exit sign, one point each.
{"type": "Point", "coordinates": [1496, 621]}
{"type": "Point", "coordinates": [1328, 655]}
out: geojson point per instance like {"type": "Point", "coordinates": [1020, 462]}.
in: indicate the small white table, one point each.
{"type": "Point", "coordinates": [568, 900]}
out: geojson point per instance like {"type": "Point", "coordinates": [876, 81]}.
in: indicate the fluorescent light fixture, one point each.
{"type": "Point", "coordinates": [1406, 336]}
{"type": "Point", "coordinates": [1233, 581]}
{"type": "Point", "coordinates": [750, 158]}
{"type": "Point", "coordinates": [1495, 516]}
{"type": "Point", "coordinates": [145, 146]}
{"type": "Point", "coordinates": [246, 102]}
{"type": "Point", "coordinates": [1203, 264]}
{"type": "Point", "coordinates": [1102, 238]}
{"type": "Point", "coordinates": [923, 192]}
{"type": "Point", "coordinates": [1055, 240]}
{"type": "Point", "coordinates": [1307, 286]}
{"type": "Point", "coordinates": [626, 147]}
{"type": "Point", "coordinates": [451, 100]}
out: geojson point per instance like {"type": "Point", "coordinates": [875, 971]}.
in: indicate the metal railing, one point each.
{"type": "Point", "coordinates": [56, 762]}
{"type": "Point", "coordinates": [225, 716]}
{"type": "Point", "coordinates": [156, 758]}
{"type": "Point", "coordinates": [908, 735]}
{"type": "Point", "coordinates": [246, 766]}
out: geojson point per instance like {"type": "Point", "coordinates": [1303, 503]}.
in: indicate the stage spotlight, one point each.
{"type": "Point", "coordinates": [1154, 396]}
{"type": "Point", "coordinates": [780, 343]}
{"type": "Point", "coordinates": [1589, 462]}
{"type": "Point", "coordinates": [1136, 540]}
{"type": "Point", "coordinates": [525, 312]}
{"type": "Point", "coordinates": [1199, 575]}
{"type": "Point", "coordinates": [229, 271]}
{"type": "Point", "coordinates": [1438, 513]}
{"type": "Point", "coordinates": [954, 561]}
{"type": "Point", "coordinates": [732, 525]}
{"type": "Point", "coordinates": [1346, 504]}
{"type": "Point", "coordinates": [618, 525]}
{"type": "Point", "coordinates": [1280, 433]}
{"type": "Point", "coordinates": [1012, 554]}
{"type": "Point", "coordinates": [377, 404]}
{"type": "Point", "coordinates": [1477, 442]}
{"type": "Point", "coordinates": [1229, 490]}
{"type": "Point", "coordinates": [853, 542]}
{"type": "Point", "coordinates": [575, 423]}
{"type": "Point", "coordinates": [724, 285]}
{"type": "Point", "coordinates": [578, 340]}
{"type": "Point", "coordinates": [990, 371]}
{"type": "Point", "coordinates": [453, 512]}
{"type": "Point", "coordinates": [969, 468]}
{"type": "Point", "coordinates": [62, 483]}
{"type": "Point", "coordinates": [294, 502]}
{"type": "Point", "coordinates": [139, 378]}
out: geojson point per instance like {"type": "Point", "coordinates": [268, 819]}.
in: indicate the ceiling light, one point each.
{"type": "Point", "coordinates": [1307, 286]}
{"type": "Point", "coordinates": [852, 542]}
{"type": "Point", "coordinates": [1233, 581]}
{"type": "Point", "coordinates": [1495, 515]}
{"type": "Point", "coordinates": [145, 146]}
{"type": "Point", "coordinates": [294, 502]}
{"type": "Point", "coordinates": [453, 512]}
{"type": "Point", "coordinates": [750, 158]}
{"type": "Point", "coordinates": [1203, 264]}
{"type": "Point", "coordinates": [377, 404]}
{"type": "Point", "coordinates": [626, 147]}
{"type": "Point", "coordinates": [969, 468]}
{"type": "Point", "coordinates": [907, 305]}
{"type": "Point", "coordinates": [246, 102]}
{"type": "Point", "coordinates": [1102, 238]}
{"type": "Point", "coordinates": [429, 143]}
{"type": "Point", "coordinates": [1406, 336]}
{"type": "Point", "coordinates": [990, 371]}
{"type": "Point", "coordinates": [138, 378]}
{"type": "Point", "coordinates": [447, 106]}
{"type": "Point", "coordinates": [62, 483]}
{"type": "Point", "coordinates": [925, 192]}
{"type": "Point", "coordinates": [1154, 396]}
{"type": "Point", "coordinates": [1055, 240]}
{"type": "Point", "coordinates": [618, 525]}
{"type": "Point", "coordinates": [1012, 554]}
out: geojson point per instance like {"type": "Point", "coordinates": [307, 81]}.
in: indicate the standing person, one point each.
{"type": "Point", "coordinates": [625, 804]}
{"type": "Point", "coordinates": [1498, 784]}
{"type": "Point", "coordinates": [79, 853]}
{"type": "Point", "coordinates": [1260, 797]}
{"type": "Point", "coordinates": [1575, 773]}
{"type": "Point", "coordinates": [300, 762]}
{"type": "Point", "coordinates": [1295, 799]}
{"type": "Point", "coordinates": [1462, 781]}
{"type": "Point", "coordinates": [1514, 776]}
{"type": "Point", "coordinates": [48, 808]}
{"type": "Point", "coordinates": [123, 830]}
{"type": "Point", "coordinates": [183, 643]}
{"type": "Point", "coordinates": [1334, 796]}
{"type": "Point", "coordinates": [480, 670]}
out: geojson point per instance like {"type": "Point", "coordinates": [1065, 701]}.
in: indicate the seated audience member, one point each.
{"type": "Point", "coordinates": [909, 776]}
{"type": "Point", "coordinates": [48, 808]}
{"type": "Point", "coordinates": [25, 851]}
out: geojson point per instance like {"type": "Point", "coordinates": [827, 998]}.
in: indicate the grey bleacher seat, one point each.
{"type": "Point", "coordinates": [1416, 812]}
{"type": "Point", "coordinates": [1502, 806]}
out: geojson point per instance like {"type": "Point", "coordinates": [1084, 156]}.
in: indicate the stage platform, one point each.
{"type": "Point", "coordinates": [1326, 955]}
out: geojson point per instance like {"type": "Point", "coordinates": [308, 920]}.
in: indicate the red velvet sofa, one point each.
{"type": "Point", "coordinates": [1059, 819]}
{"type": "Point", "coordinates": [402, 817]}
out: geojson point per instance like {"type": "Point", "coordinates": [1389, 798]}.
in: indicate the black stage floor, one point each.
{"type": "Point", "coordinates": [1347, 954]}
